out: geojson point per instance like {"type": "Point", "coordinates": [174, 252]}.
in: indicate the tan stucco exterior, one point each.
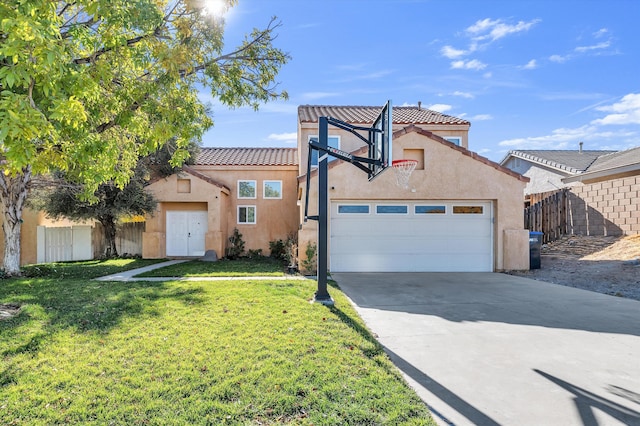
{"type": "Point", "coordinates": [214, 189]}
{"type": "Point", "coordinates": [450, 173]}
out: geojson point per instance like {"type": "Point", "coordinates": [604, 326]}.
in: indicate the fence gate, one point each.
{"type": "Point", "coordinates": [548, 214]}
{"type": "Point", "coordinates": [63, 244]}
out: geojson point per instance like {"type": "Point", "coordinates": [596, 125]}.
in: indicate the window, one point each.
{"type": "Point", "coordinates": [246, 189]}
{"type": "Point", "coordinates": [392, 209]}
{"type": "Point", "coordinates": [468, 210]}
{"type": "Point", "coordinates": [430, 210]}
{"type": "Point", "coordinates": [247, 214]}
{"type": "Point", "coordinates": [454, 139]}
{"type": "Point", "coordinates": [351, 209]}
{"type": "Point", "coordinates": [272, 189]}
{"type": "Point", "coordinates": [333, 141]}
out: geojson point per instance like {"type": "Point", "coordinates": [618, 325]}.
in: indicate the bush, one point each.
{"type": "Point", "coordinates": [251, 254]}
{"type": "Point", "coordinates": [278, 250]}
{"type": "Point", "coordinates": [236, 245]}
{"type": "Point", "coordinates": [310, 264]}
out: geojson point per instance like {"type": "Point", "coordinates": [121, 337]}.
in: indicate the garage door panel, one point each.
{"type": "Point", "coordinates": [412, 242]}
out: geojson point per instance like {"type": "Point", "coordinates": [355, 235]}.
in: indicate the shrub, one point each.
{"type": "Point", "coordinates": [278, 250]}
{"type": "Point", "coordinates": [236, 245]}
{"type": "Point", "coordinates": [310, 264]}
{"type": "Point", "coordinates": [251, 254]}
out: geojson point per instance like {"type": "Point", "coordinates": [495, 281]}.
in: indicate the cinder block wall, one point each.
{"type": "Point", "coordinates": [605, 208]}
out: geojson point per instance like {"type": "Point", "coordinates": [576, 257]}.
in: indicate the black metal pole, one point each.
{"type": "Point", "coordinates": [322, 295]}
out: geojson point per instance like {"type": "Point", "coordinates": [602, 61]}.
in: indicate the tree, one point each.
{"type": "Point", "coordinates": [113, 203]}
{"type": "Point", "coordinates": [89, 86]}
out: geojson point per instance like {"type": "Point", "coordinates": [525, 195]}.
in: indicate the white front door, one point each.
{"type": "Point", "coordinates": [186, 233]}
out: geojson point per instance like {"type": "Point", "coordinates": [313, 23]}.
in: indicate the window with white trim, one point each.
{"type": "Point", "coordinates": [333, 141]}
{"type": "Point", "coordinates": [246, 189]}
{"type": "Point", "coordinates": [247, 215]}
{"type": "Point", "coordinates": [353, 209]}
{"type": "Point", "coordinates": [272, 189]}
{"type": "Point", "coordinates": [430, 209]}
{"type": "Point", "coordinates": [392, 209]}
{"type": "Point", "coordinates": [454, 139]}
{"type": "Point", "coordinates": [468, 210]}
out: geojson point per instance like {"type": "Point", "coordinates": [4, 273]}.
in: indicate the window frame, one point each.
{"type": "Point", "coordinates": [457, 140]}
{"type": "Point", "coordinates": [368, 207]}
{"type": "Point", "coordinates": [264, 191]}
{"type": "Point", "coordinates": [255, 215]}
{"type": "Point", "coordinates": [430, 207]}
{"type": "Point", "coordinates": [255, 189]}
{"type": "Point", "coordinates": [331, 158]}
{"type": "Point", "coordinates": [405, 213]}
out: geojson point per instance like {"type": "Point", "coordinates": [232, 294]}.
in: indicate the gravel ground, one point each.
{"type": "Point", "coordinates": [608, 265]}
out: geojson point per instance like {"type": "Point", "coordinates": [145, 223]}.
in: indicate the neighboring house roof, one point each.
{"type": "Point", "coordinates": [611, 164]}
{"type": "Point", "coordinates": [413, 128]}
{"type": "Point", "coordinates": [570, 161]}
{"type": "Point", "coordinates": [367, 114]}
{"type": "Point", "coordinates": [247, 157]}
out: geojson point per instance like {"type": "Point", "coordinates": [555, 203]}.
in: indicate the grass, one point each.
{"type": "Point", "coordinates": [183, 352]}
{"type": "Point", "coordinates": [258, 266]}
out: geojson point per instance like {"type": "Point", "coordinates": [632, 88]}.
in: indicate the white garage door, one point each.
{"type": "Point", "coordinates": [425, 236]}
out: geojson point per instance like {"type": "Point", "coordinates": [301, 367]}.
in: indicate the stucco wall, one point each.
{"type": "Point", "coordinates": [275, 218]}
{"type": "Point", "coordinates": [605, 208]}
{"type": "Point", "coordinates": [448, 175]}
{"type": "Point", "coordinates": [349, 142]}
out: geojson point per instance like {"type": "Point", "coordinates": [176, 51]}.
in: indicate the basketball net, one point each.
{"type": "Point", "coordinates": [403, 170]}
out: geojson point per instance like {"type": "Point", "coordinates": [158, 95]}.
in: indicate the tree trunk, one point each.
{"type": "Point", "coordinates": [109, 225]}
{"type": "Point", "coordinates": [13, 194]}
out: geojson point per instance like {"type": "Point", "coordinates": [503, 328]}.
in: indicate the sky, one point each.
{"type": "Point", "coordinates": [543, 74]}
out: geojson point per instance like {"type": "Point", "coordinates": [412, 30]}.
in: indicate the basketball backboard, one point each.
{"type": "Point", "coordinates": [380, 138]}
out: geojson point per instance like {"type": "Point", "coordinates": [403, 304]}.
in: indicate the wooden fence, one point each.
{"type": "Point", "coordinates": [128, 239]}
{"type": "Point", "coordinates": [548, 214]}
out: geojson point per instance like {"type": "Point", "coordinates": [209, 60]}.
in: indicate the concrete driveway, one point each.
{"type": "Point", "coordinates": [494, 349]}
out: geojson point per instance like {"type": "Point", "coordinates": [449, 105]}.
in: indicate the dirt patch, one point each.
{"type": "Point", "coordinates": [608, 265]}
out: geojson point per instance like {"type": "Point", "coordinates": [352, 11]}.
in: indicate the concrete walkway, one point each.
{"type": "Point", "coordinates": [131, 275]}
{"type": "Point", "coordinates": [494, 349]}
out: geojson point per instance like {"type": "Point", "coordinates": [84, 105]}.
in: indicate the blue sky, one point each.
{"type": "Point", "coordinates": [526, 74]}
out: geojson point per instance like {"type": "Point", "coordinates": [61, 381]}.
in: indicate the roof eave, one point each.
{"type": "Point", "coordinates": [602, 173]}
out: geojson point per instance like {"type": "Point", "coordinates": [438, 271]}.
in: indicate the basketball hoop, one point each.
{"type": "Point", "coordinates": [403, 170]}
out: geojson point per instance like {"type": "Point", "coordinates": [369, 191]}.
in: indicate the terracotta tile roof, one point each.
{"type": "Point", "coordinates": [247, 157]}
{"type": "Point", "coordinates": [572, 161]}
{"type": "Point", "coordinates": [366, 114]}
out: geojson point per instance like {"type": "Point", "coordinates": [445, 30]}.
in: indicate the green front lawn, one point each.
{"type": "Point", "coordinates": [223, 352]}
{"type": "Point", "coordinates": [243, 267]}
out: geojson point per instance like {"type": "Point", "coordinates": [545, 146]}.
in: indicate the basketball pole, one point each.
{"type": "Point", "coordinates": [322, 295]}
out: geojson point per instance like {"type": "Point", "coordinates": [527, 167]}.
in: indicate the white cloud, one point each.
{"type": "Point", "coordinates": [473, 64]}
{"type": "Point", "coordinates": [452, 53]}
{"type": "Point", "coordinates": [600, 33]}
{"type": "Point", "coordinates": [627, 111]}
{"type": "Point", "coordinates": [599, 46]}
{"type": "Point", "coordinates": [466, 95]}
{"type": "Point", "coordinates": [487, 75]}
{"type": "Point", "coordinates": [440, 107]}
{"type": "Point", "coordinates": [558, 58]}
{"type": "Point", "coordinates": [290, 138]}
{"type": "Point", "coordinates": [532, 64]}
{"type": "Point", "coordinates": [482, 117]}
{"type": "Point", "coordinates": [492, 30]}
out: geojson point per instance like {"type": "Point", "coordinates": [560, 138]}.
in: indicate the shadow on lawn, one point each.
{"type": "Point", "coordinates": [84, 305]}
